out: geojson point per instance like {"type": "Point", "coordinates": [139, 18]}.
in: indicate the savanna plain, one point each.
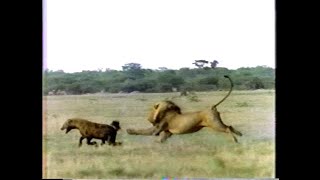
{"type": "Point", "coordinates": [204, 154]}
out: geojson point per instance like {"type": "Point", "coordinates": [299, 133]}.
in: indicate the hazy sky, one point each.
{"type": "Point", "coordinates": [91, 34]}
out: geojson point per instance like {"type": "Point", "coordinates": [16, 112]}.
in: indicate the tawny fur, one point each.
{"type": "Point", "coordinates": [167, 119]}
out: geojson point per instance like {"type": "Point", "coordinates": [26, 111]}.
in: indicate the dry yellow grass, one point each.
{"type": "Point", "coordinates": [203, 154]}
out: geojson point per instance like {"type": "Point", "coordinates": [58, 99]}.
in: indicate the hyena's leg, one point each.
{"type": "Point", "coordinates": [103, 141]}
{"type": "Point", "coordinates": [80, 141]}
{"type": "Point", "coordinates": [112, 140]}
{"type": "Point", "coordinates": [90, 143]}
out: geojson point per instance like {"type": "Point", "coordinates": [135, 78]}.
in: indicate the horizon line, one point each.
{"type": "Point", "coordinates": [110, 69]}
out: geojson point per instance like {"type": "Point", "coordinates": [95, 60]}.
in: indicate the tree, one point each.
{"type": "Point", "coordinates": [168, 79]}
{"type": "Point", "coordinates": [108, 70]}
{"type": "Point", "coordinates": [213, 64]}
{"type": "Point", "coordinates": [131, 66]}
{"type": "Point", "coordinates": [133, 71]}
{"type": "Point", "coordinates": [200, 63]}
{"type": "Point", "coordinates": [163, 68]}
{"type": "Point", "coordinates": [134, 78]}
{"type": "Point", "coordinates": [209, 80]}
{"type": "Point", "coordinates": [255, 83]}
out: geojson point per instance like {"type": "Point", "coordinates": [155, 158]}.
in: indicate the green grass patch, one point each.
{"type": "Point", "coordinates": [204, 154]}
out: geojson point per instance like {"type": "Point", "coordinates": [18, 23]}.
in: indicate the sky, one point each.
{"type": "Point", "coordinates": [98, 34]}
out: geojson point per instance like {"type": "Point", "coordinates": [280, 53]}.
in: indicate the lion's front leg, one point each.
{"type": "Point", "coordinates": [164, 135]}
{"type": "Point", "coordinates": [160, 127]}
{"type": "Point", "coordinates": [146, 132]}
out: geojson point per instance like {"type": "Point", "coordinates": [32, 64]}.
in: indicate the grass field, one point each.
{"type": "Point", "coordinates": [204, 154]}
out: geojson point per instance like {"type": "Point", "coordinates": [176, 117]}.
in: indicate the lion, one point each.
{"type": "Point", "coordinates": [90, 130]}
{"type": "Point", "coordinates": [167, 119]}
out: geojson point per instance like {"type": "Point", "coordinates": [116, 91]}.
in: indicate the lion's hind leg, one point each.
{"type": "Point", "coordinates": [217, 124]}
{"type": "Point", "coordinates": [229, 130]}
{"type": "Point", "coordinates": [235, 131]}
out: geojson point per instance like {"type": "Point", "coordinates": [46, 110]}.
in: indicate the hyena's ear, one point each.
{"type": "Point", "coordinates": [156, 106]}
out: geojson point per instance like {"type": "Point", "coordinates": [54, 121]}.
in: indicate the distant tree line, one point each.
{"type": "Point", "coordinates": [133, 77]}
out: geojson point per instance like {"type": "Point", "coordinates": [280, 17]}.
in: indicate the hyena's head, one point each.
{"type": "Point", "coordinates": [116, 125]}
{"type": "Point", "coordinates": [67, 125]}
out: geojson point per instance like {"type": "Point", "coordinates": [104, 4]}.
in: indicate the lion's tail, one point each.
{"type": "Point", "coordinates": [231, 87]}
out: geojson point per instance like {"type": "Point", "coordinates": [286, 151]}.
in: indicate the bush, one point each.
{"type": "Point", "coordinates": [255, 83]}
{"type": "Point", "coordinates": [148, 80]}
